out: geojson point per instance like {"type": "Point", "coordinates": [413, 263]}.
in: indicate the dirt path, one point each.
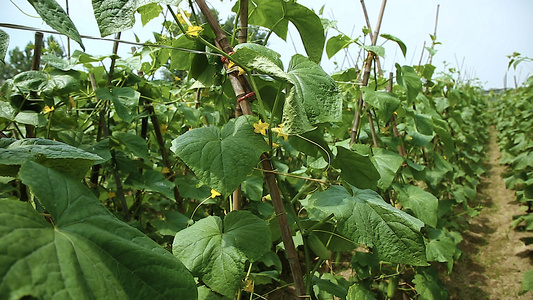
{"type": "Point", "coordinates": [494, 258]}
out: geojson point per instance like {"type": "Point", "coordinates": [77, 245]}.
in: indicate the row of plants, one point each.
{"type": "Point", "coordinates": [514, 111]}
{"type": "Point", "coordinates": [239, 177]}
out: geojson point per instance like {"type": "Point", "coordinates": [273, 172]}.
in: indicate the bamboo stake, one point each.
{"type": "Point", "coordinates": [434, 33]}
{"type": "Point", "coordinates": [239, 85]}
{"type": "Point", "coordinates": [243, 22]}
{"type": "Point", "coordinates": [35, 66]}
{"type": "Point", "coordinates": [380, 71]}
{"type": "Point", "coordinates": [366, 75]}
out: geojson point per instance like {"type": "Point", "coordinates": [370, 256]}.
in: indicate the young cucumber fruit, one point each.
{"type": "Point", "coordinates": [317, 246]}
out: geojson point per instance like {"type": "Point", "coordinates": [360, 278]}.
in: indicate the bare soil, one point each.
{"type": "Point", "coordinates": [494, 257]}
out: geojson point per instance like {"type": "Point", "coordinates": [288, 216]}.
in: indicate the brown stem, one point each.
{"type": "Point", "coordinates": [240, 87]}
{"type": "Point", "coordinates": [35, 66]}
{"type": "Point", "coordinates": [164, 154]}
{"type": "Point", "coordinates": [372, 129]}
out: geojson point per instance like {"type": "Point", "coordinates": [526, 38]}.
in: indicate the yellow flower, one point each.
{"type": "Point", "coordinates": [278, 130]}
{"type": "Point", "coordinates": [260, 127]}
{"type": "Point", "coordinates": [48, 109]}
{"type": "Point", "coordinates": [231, 64]}
{"type": "Point", "coordinates": [249, 286]}
{"type": "Point", "coordinates": [111, 195]}
{"type": "Point", "coordinates": [164, 128]}
{"type": "Point", "coordinates": [181, 15]}
{"type": "Point", "coordinates": [165, 170]}
{"type": "Point", "coordinates": [214, 193]}
{"type": "Point", "coordinates": [275, 145]}
{"type": "Point", "coordinates": [194, 30]}
{"type": "Point", "coordinates": [177, 78]}
{"type": "Point", "coordinates": [241, 71]}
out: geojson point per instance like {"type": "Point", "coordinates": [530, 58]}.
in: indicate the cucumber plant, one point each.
{"type": "Point", "coordinates": [239, 175]}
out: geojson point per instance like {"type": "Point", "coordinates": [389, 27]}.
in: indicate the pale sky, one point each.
{"type": "Point", "coordinates": [476, 35]}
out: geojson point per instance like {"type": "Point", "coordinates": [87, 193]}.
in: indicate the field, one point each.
{"type": "Point", "coordinates": [202, 167]}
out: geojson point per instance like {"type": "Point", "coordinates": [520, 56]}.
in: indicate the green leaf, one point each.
{"type": "Point", "coordinates": [423, 204]}
{"type": "Point", "coordinates": [115, 16]}
{"type": "Point", "coordinates": [261, 59]}
{"type": "Point", "coordinates": [428, 286]}
{"type": "Point", "coordinates": [56, 155]}
{"type": "Point", "coordinates": [31, 118]}
{"type": "Point", "coordinates": [173, 222]}
{"type": "Point", "coordinates": [397, 40]}
{"type": "Point", "coordinates": [377, 50]}
{"type": "Point", "coordinates": [4, 44]}
{"type": "Point", "coordinates": [133, 143]}
{"type": "Point", "coordinates": [310, 28]}
{"type": "Point", "coordinates": [58, 63]}
{"type": "Point", "coordinates": [385, 103]}
{"type": "Point", "coordinates": [364, 217]}
{"type": "Point", "coordinates": [357, 170]}
{"type": "Point", "coordinates": [387, 163]}
{"type": "Point", "coordinates": [86, 253]}
{"type": "Point", "coordinates": [151, 180]}
{"type": "Point", "coordinates": [442, 247]}
{"type": "Point", "coordinates": [216, 250]}
{"type": "Point", "coordinates": [222, 159]}
{"type": "Point", "coordinates": [182, 60]}
{"type": "Point", "coordinates": [275, 15]}
{"type": "Point", "coordinates": [407, 77]}
{"type": "Point", "coordinates": [527, 281]}
{"type": "Point", "coordinates": [57, 18]}
{"type": "Point", "coordinates": [314, 97]}
{"type": "Point", "coordinates": [149, 12]}
{"type": "Point", "coordinates": [125, 100]}
{"type": "Point", "coordinates": [360, 292]}
{"type": "Point", "coordinates": [337, 43]}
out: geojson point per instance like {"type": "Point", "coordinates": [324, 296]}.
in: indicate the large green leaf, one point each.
{"type": "Point", "coordinates": [360, 292]}
{"type": "Point", "coordinates": [56, 155]}
{"type": "Point", "coordinates": [364, 217]}
{"type": "Point", "coordinates": [398, 41]}
{"type": "Point", "coordinates": [153, 181]}
{"type": "Point", "coordinates": [337, 43]}
{"type": "Point", "coordinates": [387, 163]}
{"type": "Point", "coordinates": [133, 143]}
{"type": "Point", "coordinates": [216, 250]}
{"type": "Point", "coordinates": [125, 100]}
{"type": "Point", "coordinates": [423, 204]}
{"type": "Point", "coordinates": [86, 253]}
{"type": "Point", "coordinates": [4, 44]}
{"type": "Point", "coordinates": [260, 58]}
{"type": "Point", "coordinates": [275, 15]}
{"type": "Point", "coordinates": [385, 103]}
{"type": "Point", "coordinates": [222, 159]}
{"type": "Point", "coordinates": [54, 15]}
{"type": "Point", "coordinates": [407, 77]}
{"type": "Point", "coordinates": [357, 170]}
{"type": "Point", "coordinates": [314, 92]}
{"type": "Point", "coordinates": [115, 16]}
{"type": "Point", "coordinates": [428, 286]}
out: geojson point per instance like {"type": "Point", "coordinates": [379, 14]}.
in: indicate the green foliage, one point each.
{"type": "Point", "coordinates": [220, 158]}
{"type": "Point", "coordinates": [389, 199]}
{"type": "Point", "coordinates": [57, 18]}
{"type": "Point", "coordinates": [85, 252]}
{"type": "Point", "coordinates": [4, 43]}
{"type": "Point", "coordinates": [216, 250]}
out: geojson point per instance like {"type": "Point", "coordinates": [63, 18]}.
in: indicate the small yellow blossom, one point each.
{"type": "Point", "coordinates": [275, 145]}
{"type": "Point", "coordinates": [231, 64]}
{"type": "Point", "coordinates": [249, 286]}
{"type": "Point", "coordinates": [111, 195]}
{"type": "Point", "coordinates": [165, 170]}
{"type": "Point", "coordinates": [177, 78]}
{"type": "Point", "coordinates": [260, 127]}
{"type": "Point", "coordinates": [241, 71]}
{"type": "Point", "coordinates": [181, 15]}
{"type": "Point", "coordinates": [194, 31]}
{"type": "Point", "coordinates": [48, 109]}
{"type": "Point", "coordinates": [164, 128]}
{"type": "Point", "coordinates": [214, 193]}
{"type": "Point", "coordinates": [444, 157]}
{"type": "Point", "coordinates": [278, 130]}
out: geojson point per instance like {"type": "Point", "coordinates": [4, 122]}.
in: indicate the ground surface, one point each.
{"type": "Point", "coordinates": [494, 258]}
